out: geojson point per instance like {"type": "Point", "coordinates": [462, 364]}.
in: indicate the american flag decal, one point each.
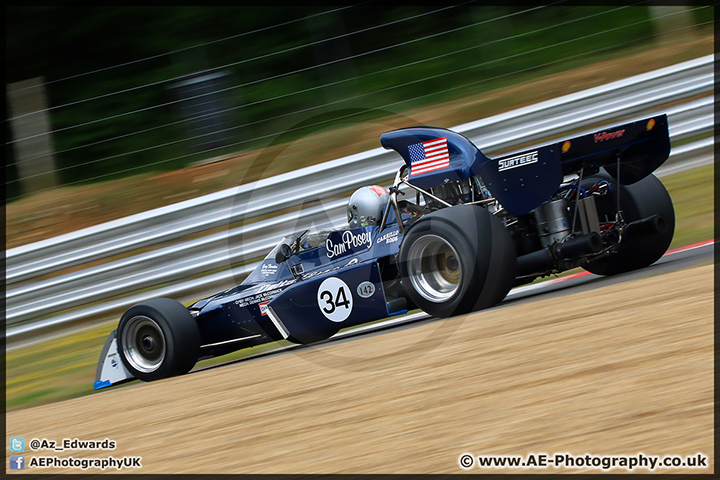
{"type": "Point", "coordinates": [428, 156]}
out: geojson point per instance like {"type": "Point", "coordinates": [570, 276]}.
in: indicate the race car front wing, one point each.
{"type": "Point", "coordinates": [110, 369]}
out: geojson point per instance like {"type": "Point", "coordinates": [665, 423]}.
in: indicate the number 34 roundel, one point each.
{"type": "Point", "coordinates": [335, 299]}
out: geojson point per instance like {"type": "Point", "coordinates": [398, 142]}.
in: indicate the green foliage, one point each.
{"type": "Point", "coordinates": [272, 79]}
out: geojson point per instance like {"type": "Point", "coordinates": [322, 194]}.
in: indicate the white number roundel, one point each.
{"type": "Point", "coordinates": [335, 299]}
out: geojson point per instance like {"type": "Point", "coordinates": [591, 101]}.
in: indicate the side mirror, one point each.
{"type": "Point", "coordinates": [283, 253]}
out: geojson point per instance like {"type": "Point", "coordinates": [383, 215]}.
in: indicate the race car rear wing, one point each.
{"type": "Point", "coordinates": [641, 147]}
{"type": "Point", "coordinates": [631, 151]}
{"type": "Point", "coordinates": [522, 181]}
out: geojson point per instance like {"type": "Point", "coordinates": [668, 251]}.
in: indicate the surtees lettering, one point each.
{"type": "Point", "coordinates": [519, 161]}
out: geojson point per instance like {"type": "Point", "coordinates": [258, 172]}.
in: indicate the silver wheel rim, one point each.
{"type": "Point", "coordinates": [143, 344]}
{"type": "Point", "coordinates": [434, 268]}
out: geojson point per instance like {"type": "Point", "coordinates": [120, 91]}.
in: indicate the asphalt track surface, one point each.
{"type": "Point", "coordinates": [579, 364]}
{"type": "Point", "coordinates": [675, 259]}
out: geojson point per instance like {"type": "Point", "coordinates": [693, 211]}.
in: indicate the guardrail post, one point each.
{"type": "Point", "coordinates": [31, 134]}
{"type": "Point", "coordinates": [668, 20]}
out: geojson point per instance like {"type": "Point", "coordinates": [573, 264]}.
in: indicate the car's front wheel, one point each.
{"type": "Point", "coordinates": [157, 339]}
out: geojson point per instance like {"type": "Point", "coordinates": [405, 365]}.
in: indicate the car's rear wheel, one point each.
{"type": "Point", "coordinates": [457, 260]}
{"type": "Point", "coordinates": [640, 200]}
{"type": "Point", "coordinates": [157, 339]}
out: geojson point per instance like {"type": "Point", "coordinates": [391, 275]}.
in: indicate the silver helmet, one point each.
{"type": "Point", "coordinates": [366, 205]}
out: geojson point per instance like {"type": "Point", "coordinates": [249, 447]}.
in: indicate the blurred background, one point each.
{"type": "Point", "coordinates": [114, 111]}
{"type": "Point", "coordinates": [131, 90]}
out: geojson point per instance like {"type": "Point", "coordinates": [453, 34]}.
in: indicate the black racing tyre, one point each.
{"type": "Point", "coordinates": [158, 339]}
{"type": "Point", "coordinates": [639, 200]}
{"type": "Point", "coordinates": [457, 260]}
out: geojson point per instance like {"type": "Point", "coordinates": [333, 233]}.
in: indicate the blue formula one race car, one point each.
{"type": "Point", "coordinates": [469, 229]}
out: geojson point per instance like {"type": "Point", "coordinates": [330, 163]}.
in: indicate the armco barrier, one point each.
{"type": "Point", "coordinates": [182, 269]}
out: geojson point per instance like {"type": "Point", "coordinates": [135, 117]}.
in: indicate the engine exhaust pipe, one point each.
{"type": "Point", "coordinates": [541, 260]}
{"type": "Point", "coordinates": [534, 262]}
{"type": "Point", "coordinates": [590, 243]}
{"type": "Point", "coordinates": [647, 226]}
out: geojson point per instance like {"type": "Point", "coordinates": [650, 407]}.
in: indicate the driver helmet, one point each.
{"type": "Point", "coordinates": [366, 205]}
